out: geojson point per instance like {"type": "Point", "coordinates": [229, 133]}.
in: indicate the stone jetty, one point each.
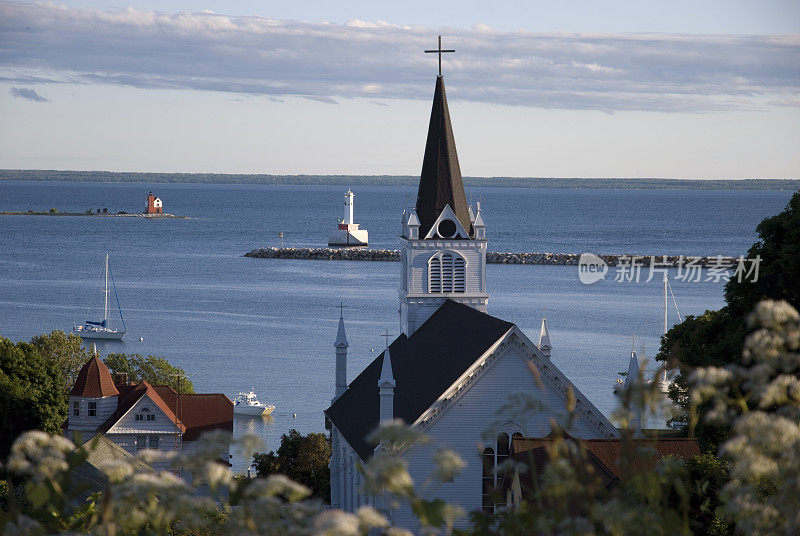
{"type": "Point", "coordinates": [492, 257]}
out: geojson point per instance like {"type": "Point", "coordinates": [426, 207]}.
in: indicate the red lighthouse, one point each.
{"type": "Point", "coordinates": [153, 204]}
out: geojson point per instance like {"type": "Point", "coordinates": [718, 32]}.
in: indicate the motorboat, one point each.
{"type": "Point", "coordinates": [248, 404]}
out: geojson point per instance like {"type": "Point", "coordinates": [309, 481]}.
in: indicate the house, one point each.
{"type": "Point", "coordinates": [603, 456]}
{"type": "Point", "coordinates": [154, 205]}
{"type": "Point", "coordinates": [141, 416]}
{"type": "Point", "coordinates": [451, 370]}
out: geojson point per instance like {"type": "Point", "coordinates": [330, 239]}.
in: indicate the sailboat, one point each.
{"type": "Point", "coordinates": [103, 330]}
{"type": "Point", "coordinates": [662, 378]}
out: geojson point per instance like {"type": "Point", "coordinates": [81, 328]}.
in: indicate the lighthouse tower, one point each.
{"type": "Point", "coordinates": [348, 233]}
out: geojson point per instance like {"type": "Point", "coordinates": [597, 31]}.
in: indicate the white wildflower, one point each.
{"type": "Point", "coordinates": [336, 523]}
{"type": "Point", "coordinates": [369, 518]}
{"type": "Point", "coordinates": [448, 462]}
{"type": "Point", "coordinates": [386, 472]}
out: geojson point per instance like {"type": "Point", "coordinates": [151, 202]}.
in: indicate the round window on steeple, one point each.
{"type": "Point", "coordinates": [446, 229]}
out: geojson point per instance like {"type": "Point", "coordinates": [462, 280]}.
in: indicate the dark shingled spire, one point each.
{"type": "Point", "coordinates": [440, 183]}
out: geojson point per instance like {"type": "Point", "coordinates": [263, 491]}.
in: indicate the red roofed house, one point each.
{"type": "Point", "coordinates": [603, 456]}
{"type": "Point", "coordinates": [141, 416]}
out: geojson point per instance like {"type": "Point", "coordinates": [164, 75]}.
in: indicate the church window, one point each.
{"type": "Point", "coordinates": [446, 228]}
{"type": "Point", "coordinates": [503, 450]}
{"type": "Point", "coordinates": [92, 412]}
{"type": "Point", "coordinates": [488, 480]}
{"type": "Point", "coordinates": [447, 273]}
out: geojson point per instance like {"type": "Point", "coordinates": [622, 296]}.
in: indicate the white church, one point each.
{"type": "Point", "coordinates": [454, 365]}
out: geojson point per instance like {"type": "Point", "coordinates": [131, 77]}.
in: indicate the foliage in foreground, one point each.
{"type": "Point", "coordinates": [152, 369]}
{"type": "Point", "coordinates": [758, 399]}
{"type": "Point", "coordinates": [304, 459]}
{"type": "Point", "coordinates": [716, 338]}
{"type": "Point", "coordinates": [34, 379]}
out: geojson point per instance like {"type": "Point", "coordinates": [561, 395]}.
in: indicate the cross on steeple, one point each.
{"type": "Point", "coordinates": [386, 336]}
{"type": "Point", "coordinates": [439, 51]}
{"type": "Point", "coordinates": [341, 307]}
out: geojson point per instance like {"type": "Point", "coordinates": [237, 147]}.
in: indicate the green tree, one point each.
{"type": "Point", "coordinates": [152, 369]}
{"type": "Point", "coordinates": [716, 338]}
{"type": "Point", "coordinates": [32, 392]}
{"type": "Point", "coordinates": [66, 350]}
{"type": "Point", "coordinates": [304, 459]}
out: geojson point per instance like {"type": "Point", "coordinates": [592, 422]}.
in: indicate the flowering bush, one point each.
{"type": "Point", "coordinates": [759, 399]}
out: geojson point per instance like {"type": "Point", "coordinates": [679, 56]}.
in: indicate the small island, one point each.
{"type": "Point", "coordinates": [153, 209]}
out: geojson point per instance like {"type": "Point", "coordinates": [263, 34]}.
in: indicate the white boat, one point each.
{"type": "Point", "coordinates": [664, 378]}
{"type": "Point", "coordinates": [248, 404]}
{"type": "Point", "coordinates": [103, 330]}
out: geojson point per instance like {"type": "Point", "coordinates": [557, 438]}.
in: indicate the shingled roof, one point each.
{"type": "Point", "coordinates": [646, 452]}
{"type": "Point", "coordinates": [424, 366]}
{"type": "Point", "coordinates": [94, 380]}
{"type": "Point", "coordinates": [440, 182]}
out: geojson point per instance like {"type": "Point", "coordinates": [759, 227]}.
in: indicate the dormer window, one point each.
{"type": "Point", "coordinates": [145, 415]}
{"type": "Point", "coordinates": [447, 273]}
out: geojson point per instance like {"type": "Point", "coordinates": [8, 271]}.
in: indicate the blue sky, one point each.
{"type": "Point", "coordinates": [588, 88]}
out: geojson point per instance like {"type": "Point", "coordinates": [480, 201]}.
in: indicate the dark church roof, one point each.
{"type": "Point", "coordinates": [424, 366]}
{"type": "Point", "coordinates": [94, 380]}
{"type": "Point", "coordinates": [440, 183]}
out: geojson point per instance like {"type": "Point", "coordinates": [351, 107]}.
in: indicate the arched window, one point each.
{"type": "Point", "coordinates": [447, 273]}
{"type": "Point", "coordinates": [487, 502]}
{"type": "Point", "coordinates": [503, 450]}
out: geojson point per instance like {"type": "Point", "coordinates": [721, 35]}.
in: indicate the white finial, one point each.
{"type": "Point", "coordinates": [544, 339]}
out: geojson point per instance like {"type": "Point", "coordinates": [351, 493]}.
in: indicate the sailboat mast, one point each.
{"type": "Point", "coordinates": [664, 374]}
{"type": "Point", "coordinates": [105, 296]}
{"type": "Point", "coordinates": [665, 304]}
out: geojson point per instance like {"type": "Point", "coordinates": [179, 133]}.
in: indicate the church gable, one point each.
{"type": "Point", "coordinates": [424, 366]}
{"type": "Point", "coordinates": [447, 226]}
{"type": "Point", "coordinates": [515, 365]}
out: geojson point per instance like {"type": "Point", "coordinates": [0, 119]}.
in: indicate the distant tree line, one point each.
{"type": "Point", "coordinates": [398, 180]}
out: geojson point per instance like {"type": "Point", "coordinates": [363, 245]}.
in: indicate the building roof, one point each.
{"type": "Point", "coordinates": [201, 412]}
{"type": "Point", "coordinates": [129, 396]}
{"type": "Point", "coordinates": [646, 452]}
{"type": "Point", "coordinates": [91, 475]}
{"type": "Point", "coordinates": [440, 182]}
{"type": "Point", "coordinates": [94, 380]}
{"type": "Point", "coordinates": [193, 413]}
{"type": "Point", "coordinates": [423, 365]}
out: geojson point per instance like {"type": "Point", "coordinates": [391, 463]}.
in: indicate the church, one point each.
{"type": "Point", "coordinates": [453, 366]}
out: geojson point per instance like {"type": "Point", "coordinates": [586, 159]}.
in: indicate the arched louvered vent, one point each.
{"type": "Point", "coordinates": [447, 273]}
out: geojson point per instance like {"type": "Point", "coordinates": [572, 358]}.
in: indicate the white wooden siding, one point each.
{"type": "Point", "coordinates": [106, 406]}
{"type": "Point", "coordinates": [462, 428]}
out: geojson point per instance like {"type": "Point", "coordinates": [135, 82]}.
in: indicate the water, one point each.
{"type": "Point", "coordinates": [235, 323]}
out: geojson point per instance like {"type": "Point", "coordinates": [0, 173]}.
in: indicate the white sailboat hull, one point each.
{"type": "Point", "coordinates": [110, 334]}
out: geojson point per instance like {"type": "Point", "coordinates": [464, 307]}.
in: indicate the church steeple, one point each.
{"type": "Point", "coordinates": [440, 183]}
{"type": "Point", "coordinates": [341, 357]}
{"type": "Point", "coordinates": [443, 252]}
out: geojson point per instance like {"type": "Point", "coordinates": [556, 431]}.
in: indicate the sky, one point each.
{"type": "Point", "coordinates": [589, 88]}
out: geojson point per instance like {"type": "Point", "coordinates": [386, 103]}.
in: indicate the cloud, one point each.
{"type": "Point", "coordinates": [27, 94]}
{"type": "Point", "coordinates": [328, 62]}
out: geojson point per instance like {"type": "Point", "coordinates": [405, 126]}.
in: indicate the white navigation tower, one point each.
{"type": "Point", "coordinates": [348, 233]}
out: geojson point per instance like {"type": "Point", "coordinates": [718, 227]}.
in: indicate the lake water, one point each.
{"type": "Point", "coordinates": [235, 323]}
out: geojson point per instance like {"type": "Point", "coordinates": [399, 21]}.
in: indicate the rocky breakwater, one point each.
{"type": "Point", "coordinates": [492, 257]}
